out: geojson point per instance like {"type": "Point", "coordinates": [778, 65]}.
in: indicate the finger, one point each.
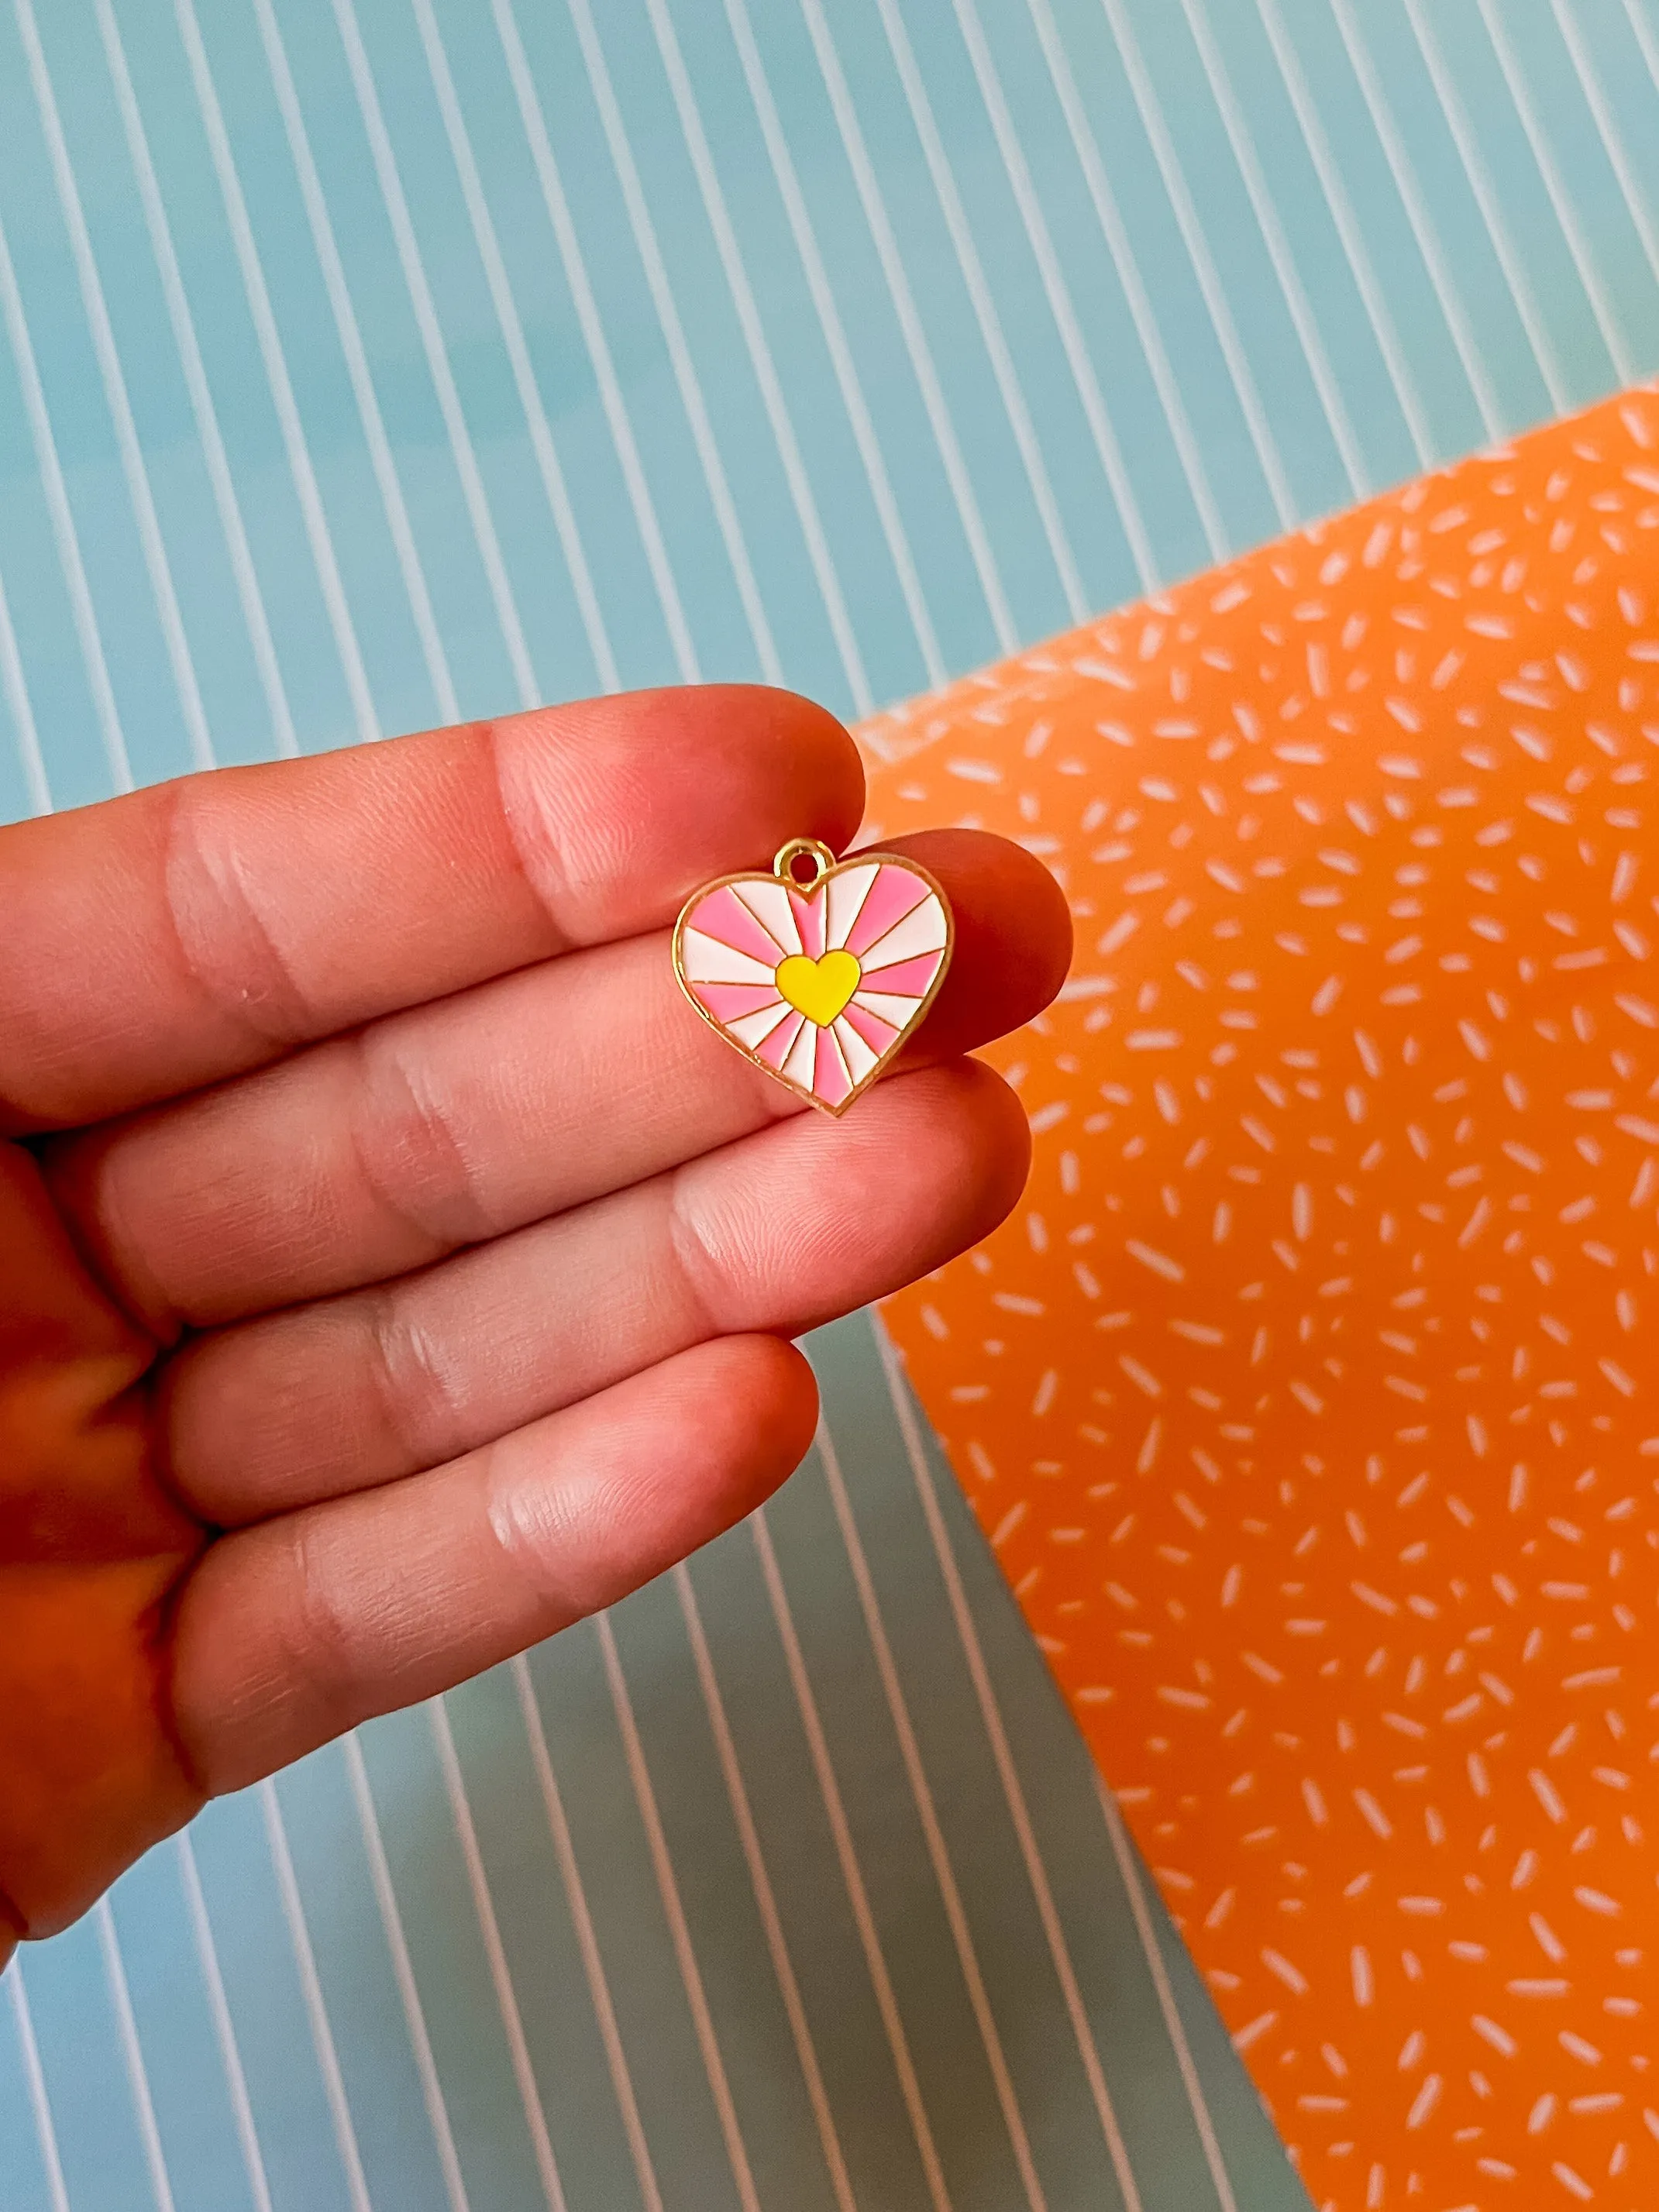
{"type": "Point", "coordinates": [300, 1628]}
{"type": "Point", "coordinates": [453, 1123]}
{"type": "Point", "coordinates": [182, 934]}
{"type": "Point", "coordinates": [778, 1232]}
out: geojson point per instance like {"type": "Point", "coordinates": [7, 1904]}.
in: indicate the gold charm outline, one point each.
{"type": "Point", "coordinates": [827, 866]}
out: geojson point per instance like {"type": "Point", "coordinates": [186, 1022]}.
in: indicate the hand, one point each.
{"type": "Point", "coordinates": [393, 1268]}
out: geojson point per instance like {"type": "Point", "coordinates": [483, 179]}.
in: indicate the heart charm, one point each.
{"type": "Point", "coordinates": [819, 980]}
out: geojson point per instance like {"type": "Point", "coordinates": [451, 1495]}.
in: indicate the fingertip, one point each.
{"type": "Point", "coordinates": [760, 1390]}
{"type": "Point", "coordinates": [793, 765]}
{"type": "Point", "coordinates": [1013, 937]}
{"type": "Point", "coordinates": [621, 806]}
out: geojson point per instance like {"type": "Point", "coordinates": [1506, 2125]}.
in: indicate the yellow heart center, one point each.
{"type": "Point", "coordinates": [819, 988]}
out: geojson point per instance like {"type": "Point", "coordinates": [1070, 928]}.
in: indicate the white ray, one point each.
{"type": "Point", "coordinates": [854, 1050]}
{"type": "Point", "coordinates": [802, 1062]}
{"type": "Point", "coordinates": [844, 897]}
{"type": "Point", "coordinates": [922, 930]}
{"type": "Point", "coordinates": [753, 1030]}
{"type": "Point", "coordinates": [705, 960]}
{"type": "Point", "coordinates": [769, 902]}
{"type": "Point", "coordinates": [901, 1012]}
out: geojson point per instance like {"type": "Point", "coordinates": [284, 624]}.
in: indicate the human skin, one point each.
{"type": "Point", "coordinates": [393, 1268]}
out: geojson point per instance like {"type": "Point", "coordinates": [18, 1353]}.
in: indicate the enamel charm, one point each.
{"type": "Point", "coordinates": [819, 971]}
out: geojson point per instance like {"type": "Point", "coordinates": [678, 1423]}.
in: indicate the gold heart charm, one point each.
{"type": "Point", "coordinates": [816, 977]}
{"type": "Point", "coordinates": [819, 988]}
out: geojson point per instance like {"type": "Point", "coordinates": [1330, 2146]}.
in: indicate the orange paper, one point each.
{"type": "Point", "coordinates": [1308, 1399]}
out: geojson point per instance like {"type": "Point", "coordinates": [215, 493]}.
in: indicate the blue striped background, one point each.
{"type": "Point", "coordinates": [367, 362]}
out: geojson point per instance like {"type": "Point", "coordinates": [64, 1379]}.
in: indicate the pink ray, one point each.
{"type": "Point", "coordinates": [776, 1048]}
{"type": "Point", "coordinates": [891, 896]}
{"type": "Point", "coordinates": [907, 977]}
{"type": "Point", "coordinates": [876, 1033]}
{"type": "Point", "coordinates": [723, 915]}
{"type": "Point", "coordinates": [729, 1002]}
{"type": "Point", "coordinates": [830, 1081]}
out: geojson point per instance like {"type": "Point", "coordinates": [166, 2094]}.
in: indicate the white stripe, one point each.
{"type": "Point", "coordinates": [760, 354]}
{"type": "Point", "coordinates": [205, 416]}
{"type": "Point", "coordinates": [581, 293]}
{"type": "Point", "coordinates": [1056, 289]}
{"type": "Point", "coordinates": [663, 1863]}
{"type": "Point", "coordinates": [15, 691]}
{"type": "Point", "coordinates": [1612, 138]}
{"type": "Point", "coordinates": [116, 397]}
{"type": "Point", "coordinates": [1492, 213]}
{"type": "Point", "coordinates": [679, 352]}
{"type": "Point", "coordinates": [39, 2103]}
{"type": "Point", "coordinates": [402, 1970]}
{"type": "Point", "coordinates": [858, 1897]}
{"type": "Point", "coordinates": [1150, 108]}
{"type": "Point", "coordinates": [1601, 307]}
{"type": "Point", "coordinates": [983, 301]}
{"type": "Point", "coordinates": [1328, 170]}
{"type": "Point", "coordinates": [356, 362]}
{"type": "Point", "coordinates": [1176, 2032]}
{"type": "Point", "coordinates": [1645, 39]}
{"type": "Point", "coordinates": [1119, 243]}
{"type": "Point", "coordinates": [991, 1713]}
{"type": "Point", "coordinates": [909, 1751]}
{"type": "Point", "coordinates": [834, 338]}
{"type": "Point", "coordinates": [1257, 191]}
{"type": "Point", "coordinates": [598, 1987]}
{"type": "Point", "coordinates": [460, 435]}
{"type": "Point", "coordinates": [911, 327]}
{"type": "Point", "coordinates": [1420, 216]}
{"type": "Point", "coordinates": [529, 391]}
{"type": "Point", "coordinates": [311, 1988]}
{"type": "Point", "coordinates": [63, 522]}
{"type": "Point", "coordinates": [766, 1903]}
{"type": "Point", "coordinates": [524, 2072]}
{"type": "Point", "coordinates": [224, 2029]}
{"type": "Point", "coordinates": [276, 375]}
{"type": "Point", "coordinates": [132, 2056]}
